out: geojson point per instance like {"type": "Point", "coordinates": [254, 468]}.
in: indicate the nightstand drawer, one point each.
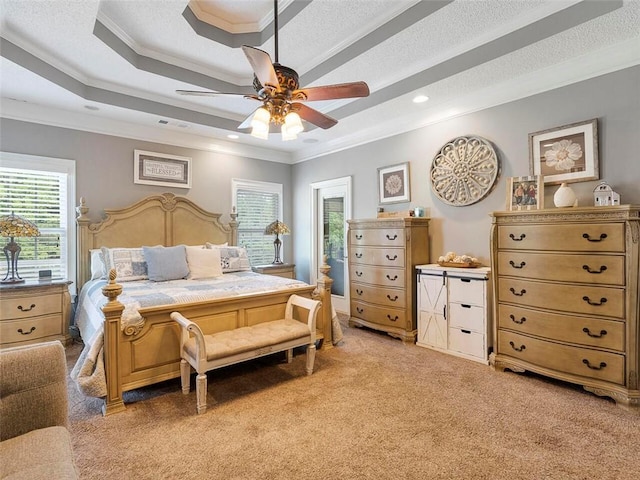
{"type": "Point", "coordinates": [29, 329]}
{"type": "Point", "coordinates": [467, 342]}
{"type": "Point", "coordinates": [468, 317]}
{"type": "Point", "coordinates": [466, 290]}
{"type": "Point", "coordinates": [29, 306]}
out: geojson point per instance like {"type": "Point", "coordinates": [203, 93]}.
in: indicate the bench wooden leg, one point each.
{"type": "Point", "coordinates": [289, 355]}
{"type": "Point", "coordinates": [311, 357]}
{"type": "Point", "coordinates": [185, 376]}
{"type": "Point", "coordinates": [201, 392]}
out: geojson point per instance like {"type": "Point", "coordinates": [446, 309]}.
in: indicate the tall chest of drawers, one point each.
{"type": "Point", "coordinates": [566, 287]}
{"type": "Point", "coordinates": [382, 256]}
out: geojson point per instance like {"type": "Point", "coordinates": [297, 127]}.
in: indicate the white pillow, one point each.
{"type": "Point", "coordinates": [97, 264]}
{"type": "Point", "coordinates": [203, 263]}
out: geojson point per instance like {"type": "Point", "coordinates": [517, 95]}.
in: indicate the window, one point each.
{"type": "Point", "coordinates": [257, 204]}
{"type": "Point", "coordinates": [41, 190]}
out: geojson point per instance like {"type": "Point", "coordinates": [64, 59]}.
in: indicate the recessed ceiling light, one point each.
{"type": "Point", "coordinates": [233, 136]}
{"type": "Point", "coordinates": [420, 99]}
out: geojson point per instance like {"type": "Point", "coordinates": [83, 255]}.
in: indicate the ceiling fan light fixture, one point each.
{"type": "Point", "coordinates": [293, 123]}
{"type": "Point", "coordinates": [287, 134]}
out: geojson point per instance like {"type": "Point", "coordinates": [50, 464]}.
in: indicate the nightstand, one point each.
{"type": "Point", "coordinates": [34, 311]}
{"type": "Point", "coordinates": [286, 270]}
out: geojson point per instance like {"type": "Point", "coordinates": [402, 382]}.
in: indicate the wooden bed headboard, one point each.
{"type": "Point", "coordinates": [164, 219]}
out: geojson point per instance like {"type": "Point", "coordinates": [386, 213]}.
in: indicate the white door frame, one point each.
{"type": "Point", "coordinates": [315, 187]}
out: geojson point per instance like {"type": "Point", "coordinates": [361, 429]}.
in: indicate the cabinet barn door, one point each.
{"type": "Point", "coordinates": [432, 327]}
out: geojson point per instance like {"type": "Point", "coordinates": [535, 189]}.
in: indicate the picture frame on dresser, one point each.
{"type": "Point", "coordinates": [160, 169]}
{"type": "Point", "coordinates": [525, 193]}
{"type": "Point", "coordinates": [394, 184]}
{"type": "Point", "coordinates": [565, 154]}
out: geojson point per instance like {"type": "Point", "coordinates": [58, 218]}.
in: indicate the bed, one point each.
{"type": "Point", "coordinates": [126, 355]}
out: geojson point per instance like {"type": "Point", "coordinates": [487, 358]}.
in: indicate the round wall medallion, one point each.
{"type": "Point", "coordinates": [464, 171]}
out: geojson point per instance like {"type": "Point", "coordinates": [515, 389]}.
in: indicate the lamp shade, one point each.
{"type": "Point", "coordinates": [15, 226]}
{"type": "Point", "coordinates": [276, 228]}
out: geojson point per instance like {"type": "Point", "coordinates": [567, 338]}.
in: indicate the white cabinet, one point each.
{"type": "Point", "coordinates": [454, 314]}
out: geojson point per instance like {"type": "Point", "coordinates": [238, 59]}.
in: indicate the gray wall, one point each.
{"type": "Point", "coordinates": [613, 98]}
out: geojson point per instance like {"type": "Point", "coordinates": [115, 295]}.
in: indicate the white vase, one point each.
{"type": "Point", "coordinates": [565, 197]}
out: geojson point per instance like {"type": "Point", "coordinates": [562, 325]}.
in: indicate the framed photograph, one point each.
{"type": "Point", "coordinates": [565, 154]}
{"type": "Point", "coordinates": [393, 184]}
{"type": "Point", "coordinates": [161, 169]}
{"type": "Point", "coordinates": [525, 193]}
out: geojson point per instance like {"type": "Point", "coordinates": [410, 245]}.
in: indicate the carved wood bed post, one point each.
{"type": "Point", "coordinates": [234, 226]}
{"type": "Point", "coordinates": [82, 237]}
{"type": "Point", "coordinates": [324, 293]}
{"type": "Point", "coordinates": [112, 313]}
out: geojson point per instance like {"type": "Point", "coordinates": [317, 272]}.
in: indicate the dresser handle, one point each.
{"type": "Point", "coordinates": [513, 237]}
{"type": "Point", "coordinates": [358, 291]}
{"type": "Point", "coordinates": [588, 269]}
{"type": "Point", "coordinates": [512, 263]}
{"type": "Point", "coordinates": [594, 335]}
{"type": "Point", "coordinates": [395, 277]}
{"type": "Point", "coordinates": [26, 333]}
{"type": "Point", "coordinates": [358, 237]}
{"type": "Point", "coordinates": [389, 237]}
{"type": "Point", "coordinates": [20, 307]}
{"type": "Point", "coordinates": [522, 292]}
{"type": "Point", "coordinates": [395, 319]}
{"type": "Point", "coordinates": [464, 305]}
{"type": "Point", "coordinates": [592, 367]}
{"type": "Point", "coordinates": [595, 304]}
{"type": "Point", "coordinates": [392, 299]}
{"type": "Point", "coordinates": [392, 259]}
{"type": "Point", "coordinates": [517, 349]}
{"type": "Point", "coordinates": [588, 237]}
{"type": "Point", "coordinates": [519, 322]}
{"type": "Point", "coordinates": [360, 310]}
{"type": "Point", "coordinates": [358, 273]}
{"type": "Point", "coordinates": [358, 255]}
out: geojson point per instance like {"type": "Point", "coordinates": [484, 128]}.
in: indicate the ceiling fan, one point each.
{"type": "Point", "coordinates": [277, 87]}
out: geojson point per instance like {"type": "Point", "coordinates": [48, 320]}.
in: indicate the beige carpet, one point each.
{"type": "Point", "coordinates": [375, 408]}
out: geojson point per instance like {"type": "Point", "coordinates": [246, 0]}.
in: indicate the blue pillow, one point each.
{"type": "Point", "coordinates": [166, 263]}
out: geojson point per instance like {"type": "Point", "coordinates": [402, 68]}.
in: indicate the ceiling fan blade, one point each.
{"type": "Point", "coordinates": [332, 92]}
{"type": "Point", "coordinates": [313, 116]}
{"type": "Point", "coordinates": [201, 93]}
{"type": "Point", "coordinates": [263, 68]}
{"type": "Point", "coordinates": [246, 123]}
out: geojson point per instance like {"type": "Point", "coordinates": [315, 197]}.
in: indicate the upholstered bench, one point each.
{"type": "Point", "coordinates": [208, 352]}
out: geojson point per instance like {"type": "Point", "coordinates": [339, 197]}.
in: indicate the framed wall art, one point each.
{"type": "Point", "coordinates": [393, 184]}
{"type": "Point", "coordinates": [565, 154]}
{"type": "Point", "coordinates": [151, 168]}
{"type": "Point", "coordinates": [525, 193]}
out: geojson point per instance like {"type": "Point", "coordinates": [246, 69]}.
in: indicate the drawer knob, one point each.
{"type": "Point", "coordinates": [594, 367]}
{"type": "Point", "coordinates": [519, 239]}
{"type": "Point", "coordinates": [595, 304]}
{"type": "Point", "coordinates": [588, 237]}
{"type": "Point", "coordinates": [395, 277]}
{"type": "Point", "coordinates": [513, 264]}
{"type": "Point", "coordinates": [358, 237]}
{"type": "Point", "coordinates": [393, 319]}
{"type": "Point", "coordinates": [517, 349]}
{"type": "Point", "coordinates": [519, 322]}
{"type": "Point", "coordinates": [360, 310]}
{"type": "Point", "coordinates": [395, 297]}
{"type": "Point", "coordinates": [22, 309]}
{"type": "Point", "coordinates": [522, 292]}
{"type": "Point", "coordinates": [588, 269]}
{"type": "Point", "coordinates": [358, 255]}
{"type": "Point", "coordinates": [26, 333]}
{"type": "Point", "coordinates": [594, 335]}
{"type": "Point", "coordinates": [358, 291]}
{"type": "Point", "coordinates": [359, 274]}
{"type": "Point", "coordinates": [389, 237]}
{"type": "Point", "coordinates": [392, 259]}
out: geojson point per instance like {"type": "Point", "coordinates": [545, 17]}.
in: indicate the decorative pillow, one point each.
{"type": "Point", "coordinates": [216, 245]}
{"type": "Point", "coordinates": [97, 264]}
{"type": "Point", "coordinates": [203, 263]}
{"type": "Point", "coordinates": [233, 259]}
{"type": "Point", "coordinates": [128, 262]}
{"type": "Point", "coordinates": [166, 263]}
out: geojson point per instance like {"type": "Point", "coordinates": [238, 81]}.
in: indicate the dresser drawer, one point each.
{"type": "Point", "coordinates": [467, 342]}
{"type": "Point", "coordinates": [385, 237]}
{"type": "Point", "coordinates": [390, 297]}
{"type": "Point", "coordinates": [30, 329]}
{"type": "Point", "coordinates": [392, 317]}
{"type": "Point", "coordinates": [606, 301]}
{"type": "Point", "coordinates": [467, 291]}
{"type": "Point", "coordinates": [608, 237]}
{"type": "Point", "coordinates": [386, 257]}
{"type": "Point", "coordinates": [580, 361]}
{"type": "Point", "coordinates": [29, 306]}
{"type": "Point", "coordinates": [468, 317]}
{"type": "Point", "coordinates": [588, 331]}
{"type": "Point", "coordinates": [596, 269]}
{"type": "Point", "coordinates": [388, 277]}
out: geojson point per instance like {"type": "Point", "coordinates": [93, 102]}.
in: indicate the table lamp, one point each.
{"type": "Point", "coordinates": [277, 228]}
{"type": "Point", "coordinates": [14, 226]}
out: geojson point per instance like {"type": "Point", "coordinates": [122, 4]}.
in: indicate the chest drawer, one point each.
{"type": "Point", "coordinates": [606, 301]}
{"type": "Point", "coordinates": [467, 342]}
{"type": "Point", "coordinates": [388, 277]}
{"type": "Point", "coordinates": [382, 296]}
{"type": "Point", "coordinates": [608, 237]}
{"type": "Point", "coordinates": [385, 237]}
{"type": "Point", "coordinates": [29, 306]}
{"type": "Point", "coordinates": [386, 257]}
{"type": "Point", "coordinates": [468, 317]}
{"type": "Point", "coordinates": [575, 360]}
{"type": "Point", "coordinates": [597, 269]}
{"type": "Point", "coordinates": [391, 317]}
{"type": "Point", "coordinates": [30, 329]}
{"type": "Point", "coordinates": [588, 331]}
{"type": "Point", "coordinates": [467, 291]}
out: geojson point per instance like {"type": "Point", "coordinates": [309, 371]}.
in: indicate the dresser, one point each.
{"type": "Point", "coordinates": [34, 311]}
{"type": "Point", "coordinates": [566, 288]}
{"type": "Point", "coordinates": [285, 270]}
{"type": "Point", "coordinates": [454, 314]}
{"type": "Point", "coordinates": [382, 256]}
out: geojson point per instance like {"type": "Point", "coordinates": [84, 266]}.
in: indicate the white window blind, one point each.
{"type": "Point", "coordinates": [39, 191]}
{"type": "Point", "coordinates": [257, 204]}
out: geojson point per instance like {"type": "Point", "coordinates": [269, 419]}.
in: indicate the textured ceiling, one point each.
{"type": "Point", "coordinates": [113, 66]}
